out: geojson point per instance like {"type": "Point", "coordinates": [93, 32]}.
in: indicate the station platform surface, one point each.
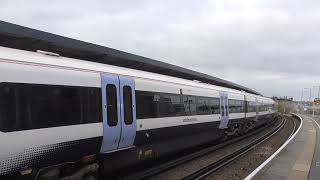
{"type": "Point", "coordinates": [300, 160]}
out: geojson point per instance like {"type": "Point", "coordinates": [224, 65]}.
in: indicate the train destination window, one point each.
{"type": "Point", "coordinates": [32, 106]}
{"type": "Point", "coordinates": [127, 105]}
{"type": "Point", "coordinates": [112, 102]}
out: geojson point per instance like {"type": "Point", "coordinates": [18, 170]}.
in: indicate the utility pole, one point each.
{"type": "Point", "coordinates": [310, 96]}
{"type": "Point", "coordinates": [309, 100]}
{"type": "Point", "coordinates": [318, 97]}
{"type": "Point", "coordinates": [301, 104]}
{"type": "Point", "coordinates": [312, 109]}
{"type": "Point", "coordinates": [312, 104]}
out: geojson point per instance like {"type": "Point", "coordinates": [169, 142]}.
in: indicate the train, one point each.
{"type": "Point", "coordinates": [55, 110]}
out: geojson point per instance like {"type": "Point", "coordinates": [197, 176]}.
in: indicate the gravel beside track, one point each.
{"type": "Point", "coordinates": [184, 170]}
{"type": "Point", "coordinates": [244, 165]}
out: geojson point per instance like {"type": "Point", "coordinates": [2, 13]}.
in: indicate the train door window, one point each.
{"type": "Point", "coordinates": [222, 106]}
{"type": "Point", "coordinates": [112, 110]}
{"type": "Point", "coordinates": [127, 105]}
{"type": "Point", "coordinates": [226, 106]}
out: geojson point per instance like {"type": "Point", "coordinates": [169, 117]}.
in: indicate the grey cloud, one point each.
{"type": "Point", "coordinates": [271, 46]}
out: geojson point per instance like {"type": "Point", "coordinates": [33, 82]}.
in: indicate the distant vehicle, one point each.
{"type": "Point", "coordinates": [56, 110]}
{"type": "Point", "coordinates": [316, 101]}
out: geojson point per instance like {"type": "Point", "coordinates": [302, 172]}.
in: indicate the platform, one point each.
{"type": "Point", "coordinates": [300, 159]}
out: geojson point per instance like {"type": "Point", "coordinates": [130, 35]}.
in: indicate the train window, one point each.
{"type": "Point", "coordinates": [264, 107]}
{"type": "Point", "coordinates": [32, 106]}
{"type": "Point", "coordinates": [236, 106]}
{"type": "Point", "coordinates": [186, 106]}
{"type": "Point", "coordinates": [208, 105]}
{"type": "Point", "coordinates": [232, 106]}
{"type": "Point", "coordinates": [91, 103]}
{"type": "Point", "coordinates": [257, 106]}
{"type": "Point", "coordinates": [155, 105]}
{"type": "Point", "coordinates": [190, 106]}
{"type": "Point", "coordinates": [251, 106]}
{"type": "Point", "coordinates": [246, 106]}
{"type": "Point", "coordinates": [127, 105]}
{"type": "Point", "coordinates": [148, 104]}
{"type": "Point", "coordinates": [8, 113]}
{"type": "Point", "coordinates": [170, 105]}
{"type": "Point", "coordinates": [112, 105]}
{"type": "Point", "coordinates": [203, 106]}
{"type": "Point", "coordinates": [214, 104]}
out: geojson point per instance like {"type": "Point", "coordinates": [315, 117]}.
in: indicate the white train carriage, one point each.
{"type": "Point", "coordinates": [55, 109]}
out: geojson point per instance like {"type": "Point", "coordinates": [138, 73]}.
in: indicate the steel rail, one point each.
{"type": "Point", "coordinates": [213, 167]}
{"type": "Point", "coordinates": [145, 174]}
{"type": "Point", "coordinates": [266, 162]}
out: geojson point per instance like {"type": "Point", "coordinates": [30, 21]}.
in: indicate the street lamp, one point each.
{"type": "Point", "coordinates": [318, 90]}
{"type": "Point", "coordinates": [310, 94]}
{"type": "Point", "coordinates": [310, 99]}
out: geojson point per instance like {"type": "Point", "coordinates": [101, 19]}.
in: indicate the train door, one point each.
{"type": "Point", "coordinates": [257, 108]}
{"type": "Point", "coordinates": [245, 106]}
{"type": "Point", "coordinates": [224, 110]}
{"type": "Point", "coordinates": [119, 120]}
{"type": "Point", "coordinates": [128, 112]}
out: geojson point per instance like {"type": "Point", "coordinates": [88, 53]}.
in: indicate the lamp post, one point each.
{"type": "Point", "coordinates": [310, 99]}
{"type": "Point", "coordinates": [317, 97]}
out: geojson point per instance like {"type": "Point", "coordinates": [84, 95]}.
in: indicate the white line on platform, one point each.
{"type": "Point", "coordinates": [315, 122]}
{"type": "Point", "coordinates": [266, 162]}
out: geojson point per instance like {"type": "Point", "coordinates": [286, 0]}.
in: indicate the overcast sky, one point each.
{"type": "Point", "coordinates": [272, 46]}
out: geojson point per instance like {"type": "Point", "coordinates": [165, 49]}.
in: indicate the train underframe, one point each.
{"type": "Point", "coordinates": [90, 166]}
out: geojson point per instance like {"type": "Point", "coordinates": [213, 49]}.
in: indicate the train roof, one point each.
{"type": "Point", "coordinates": [19, 37]}
{"type": "Point", "coordinates": [88, 66]}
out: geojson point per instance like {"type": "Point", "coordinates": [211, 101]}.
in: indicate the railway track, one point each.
{"type": "Point", "coordinates": [216, 164]}
{"type": "Point", "coordinates": [229, 158]}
